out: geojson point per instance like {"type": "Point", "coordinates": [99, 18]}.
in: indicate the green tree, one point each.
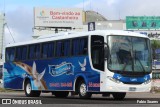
{"type": "Point", "coordinates": [155, 44]}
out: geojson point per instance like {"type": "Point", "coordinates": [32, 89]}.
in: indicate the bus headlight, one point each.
{"type": "Point", "coordinates": [113, 79]}
{"type": "Point", "coordinates": [147, 82]}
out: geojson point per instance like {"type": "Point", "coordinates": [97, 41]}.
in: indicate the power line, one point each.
{"type": "Point", "coordinates": [10, 32]}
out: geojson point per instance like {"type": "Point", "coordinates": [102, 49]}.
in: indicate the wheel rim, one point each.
{"type": "Point", "coordinates": [83, 89]}
{"type": "Point", "coordinates": [28, 88]}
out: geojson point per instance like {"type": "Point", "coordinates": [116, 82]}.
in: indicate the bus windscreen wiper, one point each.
{"type": "Point", "coordinates": [139, 62]}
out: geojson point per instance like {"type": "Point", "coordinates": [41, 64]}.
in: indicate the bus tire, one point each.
{"type": "Point", "coordinates": [61, 94]}
{"type": "Point", "coordinates": [28, 90]}
{"type": "Point", "coordinates": [82, 90]}
{"type": "Point", "coordinates": [119, 96]}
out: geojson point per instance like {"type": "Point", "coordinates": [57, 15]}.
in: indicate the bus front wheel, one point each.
{"type": "Point", "coordinates": [119, 96]}
{"type": "Point", "coordinates": [28, 90]}
{"type": "Point", "coordinates": [82, 89]}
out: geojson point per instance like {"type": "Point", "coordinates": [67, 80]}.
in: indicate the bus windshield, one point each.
{"type": "Point", "coordinates": [129, 54]}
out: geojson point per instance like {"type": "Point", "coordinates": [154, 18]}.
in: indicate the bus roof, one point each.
{"type": "Point", "coordinates": [67, 35]}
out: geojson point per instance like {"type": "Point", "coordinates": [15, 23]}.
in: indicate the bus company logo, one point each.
{"type": "Point", "coordinates": [83, 65]}
{"type": "Point", "coordinates": [133, 79]}
{"type": "Point", "coordinates": [63, 68]}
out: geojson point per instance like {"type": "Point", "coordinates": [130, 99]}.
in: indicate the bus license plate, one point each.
{"type": "Point", "coordinates": [132, 88]}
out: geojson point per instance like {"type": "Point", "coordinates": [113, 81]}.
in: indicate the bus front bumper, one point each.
{"type": "Point", "coordinates": [112, 86]}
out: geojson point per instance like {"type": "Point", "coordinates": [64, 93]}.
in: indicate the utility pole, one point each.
{"type": "Point", "coordinates": [2, 25]}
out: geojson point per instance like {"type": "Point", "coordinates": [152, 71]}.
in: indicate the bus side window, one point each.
{"type": "Point", "coordinates": [34, 51]}
{"type": "Point", "coordinates": [50, 52]}
{"type": "Point", "coordinates": [44, 50]}
{"type": "Point", "coordinates": [21, 53]}
{"type": "Point", "coordinates": [66, 47]}
{"type": "Point", "coordinates": [47, 50]}
{"type": "Point", "coordinates": [63, 48]}
{"type": "Point", "coordinates": [79, 46]}
{"type": "Point", "coordinates": [97, 52]}
{"type": "Point", "coordinates": [83, 46]}
{"type": "Point", "coordinates": [37, 51]}
{"type": "Point", "coordinates": [75, 48]}
{"type": "Point", "coordinates": [59, 49]}
{"type": "Point", "coordinates": [18, 53]}
{"type": "Point", "coordinates": [24, 53]}
{"type": "Point", "coordinates": [31, 52]}
{"type": "Point", "coordinates": [10, 54]}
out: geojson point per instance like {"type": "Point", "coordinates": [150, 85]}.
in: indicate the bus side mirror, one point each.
{"type": "Point", "coordinates": [106, 51]}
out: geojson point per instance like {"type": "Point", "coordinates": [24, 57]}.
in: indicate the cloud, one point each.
{"type": "Point", "coordinates": [8, 38]}
{"type": "Point", "coordinates": [104, 7]}
{"type": "Point", "coordinates": [115, 9]}
{"type": "Point", "coordinates": [20, 23]}
{"type": "Point", "coordinates": [21, 20]}
{"type": "Point", "coordinates": [12, 36]}
{"type": "Point", "coordinates": [139, 8]}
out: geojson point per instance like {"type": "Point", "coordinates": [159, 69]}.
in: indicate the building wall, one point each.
{"type": "Point", "coordinates": [40, 32]}
{"type": "Point", "coordinates": [99, 25]}
{"type": "Point", "coordinates": [110, 25]}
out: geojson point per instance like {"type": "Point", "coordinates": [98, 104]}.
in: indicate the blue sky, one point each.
{"type": "Point", "coordinates": [41, 2]}
{"type": "Point", "coordinates": [19, 13]}
{"type": "Point", "coordinates": [10, 4]}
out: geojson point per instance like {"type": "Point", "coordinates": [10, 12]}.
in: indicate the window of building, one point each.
{"type": "Point", "coordinates": [156, 75]}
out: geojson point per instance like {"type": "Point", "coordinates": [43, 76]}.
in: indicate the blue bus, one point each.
{"type": "Point", "coordinates": [96, 62]}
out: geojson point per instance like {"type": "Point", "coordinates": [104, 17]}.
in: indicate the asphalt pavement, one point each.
{"type": "Point", "coordinates": [47, 99]}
